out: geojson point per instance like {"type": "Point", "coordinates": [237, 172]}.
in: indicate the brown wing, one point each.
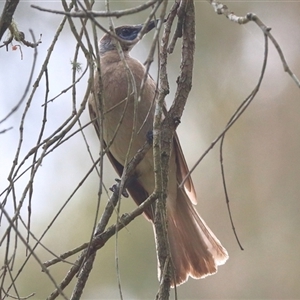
{"type": "Point", "coordinates": [135, 189]}
{"type": "Point", "coordinates": [182, 171]}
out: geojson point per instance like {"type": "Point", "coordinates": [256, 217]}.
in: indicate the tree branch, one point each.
{"type": "Point", "coordinates": [7, 15]}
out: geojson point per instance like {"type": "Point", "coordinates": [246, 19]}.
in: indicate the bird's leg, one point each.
{"type": "Point", "coordinates": [116, 187]}
{"type": "Point", "coordinates": [149, 137]}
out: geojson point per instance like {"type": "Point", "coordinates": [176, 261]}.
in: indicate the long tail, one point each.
{"type": "Point", "coordinates": [195, 250]}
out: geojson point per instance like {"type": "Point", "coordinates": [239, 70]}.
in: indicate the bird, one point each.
{"type": "Point", "coordinates": [126, 122]}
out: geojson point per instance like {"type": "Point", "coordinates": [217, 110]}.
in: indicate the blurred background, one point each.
{"type": "Point", "coordinates": [261, 157]}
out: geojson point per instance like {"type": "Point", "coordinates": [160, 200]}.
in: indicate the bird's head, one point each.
{"type": "Point", "coordinates": [127, 37]}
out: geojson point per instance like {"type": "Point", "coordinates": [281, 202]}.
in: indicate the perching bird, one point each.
{"type": "Point", "coordinates": [195, 250]}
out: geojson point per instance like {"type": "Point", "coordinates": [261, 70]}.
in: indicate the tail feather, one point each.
{"type": "Point", "coordinates": [195, 250]}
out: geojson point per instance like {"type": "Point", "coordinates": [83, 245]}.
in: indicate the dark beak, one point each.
{"type": "Point", "coordinates": [152, 24]}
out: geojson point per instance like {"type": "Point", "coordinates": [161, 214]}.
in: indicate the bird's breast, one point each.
{"type": "Point", "coordinates": [127, 117]}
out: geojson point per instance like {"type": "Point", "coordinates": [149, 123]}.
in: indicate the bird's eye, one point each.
{"type": "Point", "coordinates": [126, 32]}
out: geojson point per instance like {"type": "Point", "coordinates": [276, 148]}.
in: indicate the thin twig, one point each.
{"type": "Point", "coordinates": [100, 236]}
{"type": "Point", "coordinates": [232, 120]}
{"type": "Point", "coordinates": [223, 9]}
{"type": "Point", "coordinates": [94, 14]}
{"type": "Point", "coordinates": [17, 106]}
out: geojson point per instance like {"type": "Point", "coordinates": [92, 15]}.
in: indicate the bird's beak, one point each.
{"type": "Point", "coordinates": [152, 24]}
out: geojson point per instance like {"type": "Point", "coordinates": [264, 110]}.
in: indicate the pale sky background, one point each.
{"type": "Point", "coordinates": [261, 157]}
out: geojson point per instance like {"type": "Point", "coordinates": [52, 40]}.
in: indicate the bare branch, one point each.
{"type": "Point", "coordinates": [7, 15]}
{"type": "Point", "coordinates": [93, 14]}
{"type": "Point", "coordinates": [164, 132]}
{"type": "Point", "coordinates": [100, 237]}
{"type": "Point", "coordinates": [222, 9]}
{"type": "Point", "coordinates": [17, 106]}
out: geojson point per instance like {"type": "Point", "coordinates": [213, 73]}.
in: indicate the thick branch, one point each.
{"type": "Point", "coordinates": [164, 132]}
{"type": "Point", "coordinates": [7, 15]}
